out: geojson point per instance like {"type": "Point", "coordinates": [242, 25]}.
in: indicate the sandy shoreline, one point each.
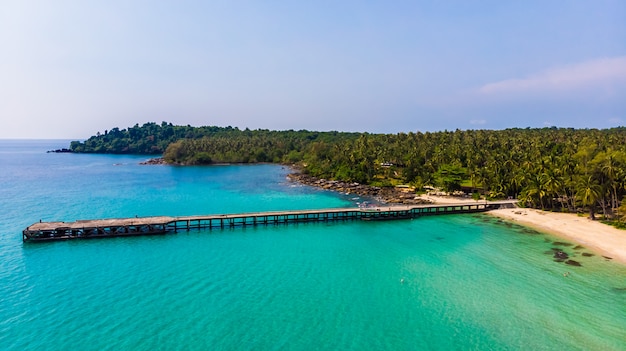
{"type": "Point", "coordinates": [594, 235]}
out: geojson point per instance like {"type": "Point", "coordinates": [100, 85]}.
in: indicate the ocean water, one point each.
{"type": "Point", "coordinates": [458, 282]}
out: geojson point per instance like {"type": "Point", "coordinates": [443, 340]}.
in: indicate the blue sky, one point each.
{"type": "Point", "coordinates": [71, 68]}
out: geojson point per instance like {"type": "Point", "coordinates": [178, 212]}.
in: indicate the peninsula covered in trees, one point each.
{"type": "Point", "coordinates": [549, 168]}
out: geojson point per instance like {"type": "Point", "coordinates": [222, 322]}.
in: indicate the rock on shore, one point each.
{"type": "Point", "coordinates": [389, 195]}
{"type": "Point", "coordinates": [153, 161]}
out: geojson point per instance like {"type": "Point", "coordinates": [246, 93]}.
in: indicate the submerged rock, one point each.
{"type": "Point", "coordinates": [587, 254]}
{"type": "Point", "coordinates": [561, 255]}
{"type": "Point", "coordinates": [573, 263]}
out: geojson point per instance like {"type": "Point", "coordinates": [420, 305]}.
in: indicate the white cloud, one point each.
{"type": "Point", "coordinates": [590, 74]}
{"type": "Point", "coordinates": [478, 121]}
{"type": "Point", "coordinates": [616, 121]}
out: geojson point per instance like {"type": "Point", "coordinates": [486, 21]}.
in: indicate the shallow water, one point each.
{"type": "Point", "coordinates": [447, 282]}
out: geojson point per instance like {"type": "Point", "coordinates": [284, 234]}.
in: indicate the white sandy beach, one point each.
{"type": "Point", "coordinates": [594, 235]}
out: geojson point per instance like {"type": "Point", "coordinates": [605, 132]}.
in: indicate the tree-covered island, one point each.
{"type": "Point", "coordinates": [559, 169]}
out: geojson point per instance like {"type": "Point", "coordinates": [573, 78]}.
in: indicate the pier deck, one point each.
{"type": "Point", "coordinates": [98, 228]}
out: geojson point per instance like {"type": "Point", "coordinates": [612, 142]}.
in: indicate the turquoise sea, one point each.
{"type": "Point", "coordinates": [458, 282]}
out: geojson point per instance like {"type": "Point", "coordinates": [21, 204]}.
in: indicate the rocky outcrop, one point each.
{"type": "Point", "coordinates": [389, 195]}
{"type": "Point", "coordinates": [573, 263]}
{"type": "Point", "coordinates": [560, 255]}
{"type": "Point", "coordinates": [154, 161]}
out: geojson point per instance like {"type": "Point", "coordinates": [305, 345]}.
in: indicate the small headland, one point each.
{"type": "Point", "coordinates": [390, 195]}
{"type": "Point", "coordinates": [154, 161]}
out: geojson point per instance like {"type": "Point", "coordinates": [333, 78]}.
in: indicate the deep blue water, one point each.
{"type": "Point", "coordinates": [465, 282]}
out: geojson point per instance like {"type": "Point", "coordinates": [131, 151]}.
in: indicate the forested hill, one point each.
{"type": "Point", "coordinates": [153, 139]}
{"type": "Point", "coordinates": [549, 168]}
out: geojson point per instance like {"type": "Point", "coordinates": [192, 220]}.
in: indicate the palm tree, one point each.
{"type": "Point", "coordinates": [611, 167]}
{"type": "Point", "coordinates": [552, 183]}
{"type": "Point", "coordinates": [622, 210]}
{"type": "Point", "coordinates": [589, 191]}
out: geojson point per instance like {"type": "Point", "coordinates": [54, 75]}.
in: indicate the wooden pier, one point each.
{"type": "Point", "coordinates": [100, 228]}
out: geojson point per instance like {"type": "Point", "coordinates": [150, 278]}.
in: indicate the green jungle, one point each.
{"type": "Point", "coordinates": [558, 169]}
